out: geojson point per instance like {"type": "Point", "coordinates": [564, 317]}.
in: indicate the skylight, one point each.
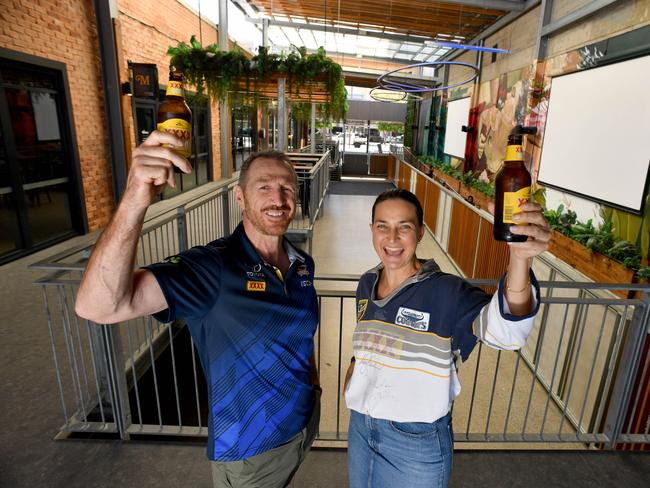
{"type": "Point", "coordinates": [244, 27]}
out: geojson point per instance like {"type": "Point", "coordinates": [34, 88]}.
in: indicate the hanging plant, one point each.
{"type": "Point", "coordinates": [219, 71]}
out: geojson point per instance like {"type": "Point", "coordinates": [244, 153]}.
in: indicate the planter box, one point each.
{"type": "Point", "coordinates": [475, 197]}
{"type": "Point", "coordinates": [598, 267]}
{"type": "Point", "coordinates": [450, 181]}
{"type": "Point", "coordinates": [425, 168]}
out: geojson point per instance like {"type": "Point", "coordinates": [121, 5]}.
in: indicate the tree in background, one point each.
{"type": "Point", "coordinates": [390, 129]}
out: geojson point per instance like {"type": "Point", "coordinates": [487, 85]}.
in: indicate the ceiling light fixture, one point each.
{"type": "Point", "coordinates": [388, 84]}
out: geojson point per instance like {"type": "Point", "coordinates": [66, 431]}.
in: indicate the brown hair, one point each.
{"type": "Point", "coordinates": [400, 194]}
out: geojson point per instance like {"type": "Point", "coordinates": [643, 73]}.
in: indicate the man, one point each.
{"type": "Point", "coordinates": [249, 303]}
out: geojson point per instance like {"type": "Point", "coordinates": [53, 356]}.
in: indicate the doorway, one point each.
{"type": "Point", "coordinates": [40, 202]}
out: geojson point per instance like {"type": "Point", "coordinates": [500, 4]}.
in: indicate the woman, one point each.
{"type": "Point", "coordinates": [414, 321]}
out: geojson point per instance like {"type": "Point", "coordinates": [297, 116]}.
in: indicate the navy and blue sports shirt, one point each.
{"type": "Point", "coordinates": [254, 334]}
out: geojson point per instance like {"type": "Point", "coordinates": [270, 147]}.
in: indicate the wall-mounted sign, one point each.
{"type": "Point", "coordinates": [145, 80]}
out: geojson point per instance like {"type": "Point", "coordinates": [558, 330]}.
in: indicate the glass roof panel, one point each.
{"type": "Point", "coordinates": [368, 44]}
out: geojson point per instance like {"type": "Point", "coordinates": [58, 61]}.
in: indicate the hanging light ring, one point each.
{"type": "Point", "coordinates": [388, 84]}
{"type": "Point", "coordinates": [375, 94]}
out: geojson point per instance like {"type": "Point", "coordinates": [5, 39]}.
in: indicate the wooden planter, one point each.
{"type": "Point", "coordinates": [450, 181]}
{"type": "Point", "coordinates": [597, 266]}
{"type": "Point", "coordinates": [311, 91]}
{"type": "Point", "coordinates": [425, 168]}
{"type": "Point", "coordinates": [475, 197]}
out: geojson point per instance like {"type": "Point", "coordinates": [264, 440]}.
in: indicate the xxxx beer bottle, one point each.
{"type": "Point", "coordinates": [175, 116]}
{"type": "Point", "coordinates": [512, 189]}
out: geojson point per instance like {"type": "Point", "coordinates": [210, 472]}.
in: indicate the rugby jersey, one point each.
{"type": "Point", "coordinates": [406, 344]}
{"type": "Point", "coordinates": [253, 330]}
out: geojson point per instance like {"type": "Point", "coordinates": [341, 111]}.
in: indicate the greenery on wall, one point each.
{"type": "Point", "coordinates": [467, 179]}
{"type": "Point", "coordinates": [218, 71]}
{"type": "Point", "coordinates": [410, 122]}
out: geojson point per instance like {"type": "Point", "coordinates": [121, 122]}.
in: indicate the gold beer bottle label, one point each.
{"type": "Point", "coordinates": [512, 201]}
{"type": "Point", "coordinates": [174, 88]}
{"type": "Point", "coordinates": [181, 129]}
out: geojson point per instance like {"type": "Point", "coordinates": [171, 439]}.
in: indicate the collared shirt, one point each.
{"type": "Point", "coordinates": [406, 344]}
{"type": "Point", "coordinates": [253, 329]}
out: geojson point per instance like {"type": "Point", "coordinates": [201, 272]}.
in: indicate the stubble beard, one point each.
{"type": "Point", "coordinates": [257, 220]}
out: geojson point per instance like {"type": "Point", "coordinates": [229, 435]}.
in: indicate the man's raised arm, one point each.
{"type": "Point", "coordinates": [111, 291]}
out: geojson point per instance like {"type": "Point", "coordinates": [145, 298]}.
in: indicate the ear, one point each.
{"type": "Point", "coordinates": [239, 196]}
{"type": "Point", "coordinates": [421, 233]}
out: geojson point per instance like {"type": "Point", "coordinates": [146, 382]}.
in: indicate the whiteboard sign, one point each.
{"type": "Point", "coordinates": [457, 116]}
{"type": "Point", "coordinates": [597, 136]}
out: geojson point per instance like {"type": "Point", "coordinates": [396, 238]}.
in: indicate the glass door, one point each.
{"type": "Point", "coordinates": [37, 186]}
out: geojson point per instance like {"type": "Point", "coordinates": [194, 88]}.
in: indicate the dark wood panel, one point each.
{"type": "Point", "coordinates": [431, 205]}
{"type": "Point", "coordinates": [405, 176]}
{"type": "Point", "coordinates": [463, 236]}
{"type": "Point", "coordinates": [420, 187]}
{"type": "Point", "coordinates": [392, 160]}
{"type": "Point", "coordinates": [492, 260]}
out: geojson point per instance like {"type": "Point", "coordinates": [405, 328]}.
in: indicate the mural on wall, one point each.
{"type": "Point", "coordinates": [502, 104]}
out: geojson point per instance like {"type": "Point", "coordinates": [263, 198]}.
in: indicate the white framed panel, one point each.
{"type": "Point", "coordinates": [597, 137]}
{"type": "Point", "coordinates": [457, 116]}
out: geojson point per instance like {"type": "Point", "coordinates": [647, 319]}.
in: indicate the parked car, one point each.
{"type": "Point", "coordinates": [375, 136]}
{"type": "Point", "coordinates": [361, 137]}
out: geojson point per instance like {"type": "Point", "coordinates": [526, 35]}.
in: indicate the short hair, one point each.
{"type": "Point", "coordinates": [400, 194]}
{"type": "Point", "coordinates": [277, 155]}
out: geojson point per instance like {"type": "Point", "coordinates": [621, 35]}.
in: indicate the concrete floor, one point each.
{"type": "Point", "coordinates": [31, 409]}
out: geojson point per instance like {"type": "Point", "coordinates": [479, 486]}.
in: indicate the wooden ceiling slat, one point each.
{"type": "Point", "coordinates": [419, 17]}
{"type": "Point", "coordinates": [370, 16]}
{"type": "Point", "coordinates": [333, 8]}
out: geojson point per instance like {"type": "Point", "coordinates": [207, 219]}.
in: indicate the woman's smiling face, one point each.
{"type": "Point", "coordinates": [396, 233]}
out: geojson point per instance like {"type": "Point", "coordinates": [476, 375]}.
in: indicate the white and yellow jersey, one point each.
{"type": "Point", "coordinates": [406, 344]}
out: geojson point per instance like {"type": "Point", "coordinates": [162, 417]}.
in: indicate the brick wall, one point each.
{"type": "Point", "coordinates": [143, 35]}
{"type": "Point", "coordinates": [65, 31]}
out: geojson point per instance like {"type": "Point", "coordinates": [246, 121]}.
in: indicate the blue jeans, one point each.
{"type": "Point", "coordinates": [387, 454]}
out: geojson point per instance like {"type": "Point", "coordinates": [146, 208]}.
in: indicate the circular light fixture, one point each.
{"type": "Point", "coordinates": [388, 84]}
{"type": "Point", "coordinates": [392, 96]}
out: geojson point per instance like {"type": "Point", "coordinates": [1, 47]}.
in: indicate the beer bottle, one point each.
{"type": "Point", "coordinates": [512, 189]}
{"type": "Point", "coordinates": [175, 116]}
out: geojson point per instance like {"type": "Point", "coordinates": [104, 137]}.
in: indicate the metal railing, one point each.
{"type": "Point", "coordinates": [569, 374]}
{"type": "Point", "coordinates": [571, 384]}
{"type": "Point", "coordinates": [313, 183]}
{"type": "Point", "coordinates": [574, 383]}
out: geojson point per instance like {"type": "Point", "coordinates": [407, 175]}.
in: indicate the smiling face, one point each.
{"type": "Point", "coordinates": [269, 196]}
{"type": "Point", "coordinates": [395, 234]}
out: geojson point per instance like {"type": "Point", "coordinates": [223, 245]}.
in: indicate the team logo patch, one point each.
{"type": "Point", "coordinates": [303, 271]}
{"type": "Point", "coordinates": [413, 319]}
{"type": "Point", "coordinates": [256, 273]}
{"type": "Point", "coordinates": [256, 285]}
{"type": "Point", "coordinates": [173, 259]}
{"type": "Point", "coordinates": [361, 308]}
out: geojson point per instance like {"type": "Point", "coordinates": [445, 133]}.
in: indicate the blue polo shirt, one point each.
{"type": "Point", "coordinates": [254, 331]}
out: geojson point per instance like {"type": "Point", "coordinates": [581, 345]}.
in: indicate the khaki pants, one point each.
{"type": "Point", "coordinates": [271, 469]}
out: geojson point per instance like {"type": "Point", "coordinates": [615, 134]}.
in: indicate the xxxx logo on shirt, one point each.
{"type": "Point", "coordinates": [256, 285]}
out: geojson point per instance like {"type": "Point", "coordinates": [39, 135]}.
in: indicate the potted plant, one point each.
{"type": "Point", "coordinates": [594, 251]}
{"type": "Point", "coordinates": [310, 77]}
{"type": "Point", "coordinates": [477, 192]}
